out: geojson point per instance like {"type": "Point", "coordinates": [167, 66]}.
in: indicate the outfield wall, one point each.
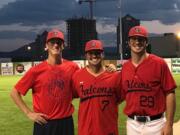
{"type": "Point", "coordinates": [9, 68]}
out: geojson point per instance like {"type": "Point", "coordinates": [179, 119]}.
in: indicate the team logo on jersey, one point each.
{"type": "Point", "coordinates": [137, 86]}
{"type": "Point", "coordinates": [55, 86]}
{"type": "Point", "coordinates": [93, 92]}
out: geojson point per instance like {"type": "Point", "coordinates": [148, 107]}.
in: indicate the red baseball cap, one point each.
{"type": "Point", "coordinates": [138, 31]}
{"type": "Point", "coordinates": [94, 45]}
{"type": "Point", "coordinates": [55, 34]}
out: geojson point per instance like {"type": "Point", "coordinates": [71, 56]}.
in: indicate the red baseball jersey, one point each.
{"type": "Point", "coordinates": [99, 98]}
{"type": "Point", "coordinates": [146, 86]}
{"type": "Point", "coordinates": [51, 88]}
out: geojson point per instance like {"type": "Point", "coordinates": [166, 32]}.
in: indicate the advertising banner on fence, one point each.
{"type": "Point", "coordinates": [7, 68]}
{"type": "Point", "coordinates": [22, 67]}
{"type": "Point", "coordinates": [80, 63]}
{"type": "Point", "coordinates": [36, 63]}
{"type": "Point", "coordinates": [168, 61]}
{"type": "Point", "coordinates": [176, 65]}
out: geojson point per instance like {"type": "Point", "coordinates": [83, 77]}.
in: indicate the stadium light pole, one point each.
{"type": "Point", "coordinates": [120, 30]}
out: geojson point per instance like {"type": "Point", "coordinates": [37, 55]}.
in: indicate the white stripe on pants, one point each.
{"type": "Point", "coordinates": [145, 128]}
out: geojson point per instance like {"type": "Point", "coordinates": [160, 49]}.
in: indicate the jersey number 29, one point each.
{"type": "Point", "coordinates": [147, 101]}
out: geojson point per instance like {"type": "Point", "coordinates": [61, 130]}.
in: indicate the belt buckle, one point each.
{"type": "Point", "coordinates": [142, 118]}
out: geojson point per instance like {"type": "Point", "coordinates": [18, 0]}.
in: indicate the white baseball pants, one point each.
{"type": "Point", "coordinates": [147, 128]}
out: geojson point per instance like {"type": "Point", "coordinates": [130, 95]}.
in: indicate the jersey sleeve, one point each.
{"type": "Point", "coordinates": [168, 83]}
{"type": "Point", "coordinates": [25, 83]}
{"type": "Point", "coordinates": [119, 92]}
{"type": "Point", "coordinates": [73, 82]}
{"type": "Point", "coordinates": [73, 85]}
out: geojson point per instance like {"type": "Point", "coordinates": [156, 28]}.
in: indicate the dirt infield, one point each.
{"type": "Point", "coordinates": [176, 128]}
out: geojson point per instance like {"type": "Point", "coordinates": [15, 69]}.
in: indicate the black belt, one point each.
{"type": "Point", "coordinates": [146, 118]}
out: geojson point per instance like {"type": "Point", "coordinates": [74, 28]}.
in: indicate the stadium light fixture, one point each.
{"type": "Point", "coordinates": [178, 35]}
{"type": "Point", "coordinates": [29, 48]}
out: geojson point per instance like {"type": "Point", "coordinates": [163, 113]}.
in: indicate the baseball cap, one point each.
{"type": "Point", "coordinates": [94, 45]}
{"type": "Point", "coordinates": [55, 34]}
{"type": "Point", "coordinates": [138, 31]}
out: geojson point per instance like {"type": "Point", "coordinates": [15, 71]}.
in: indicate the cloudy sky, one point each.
{"type": "Point", "coordinates": [22, 20]}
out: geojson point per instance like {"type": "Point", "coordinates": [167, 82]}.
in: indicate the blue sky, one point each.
{"type": "Point", "coordinates": [22, 20]}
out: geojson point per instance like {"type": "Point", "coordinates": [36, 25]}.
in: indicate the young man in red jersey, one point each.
{"type": "Point", "coordinates": [149, 88]}
{"type": "Point", "coordinates": [52, 94]}
{"type": "Point", "coordinates": [99, 93]}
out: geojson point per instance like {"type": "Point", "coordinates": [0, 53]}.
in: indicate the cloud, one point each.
{"type": "Point", "coordinates": [162, 10]}
{"type": "Point", "coordinates": [161, 28]}
{"type": "Point", "coordinates": [27, 32]}
{"type": "Point", "coordinates": [5, 2]}
{"type": "Point", "coordinates": [17, 34]}
{"type": "Point", "coordinates": [12, 44]}
{"type": "Point", "coordinates": [103, 27]}
{"type": "Point", "coordinates": [22, 20]}
{"type": "Point", "coordinates": [108, 39]}
{"type": "Point", "coordinates": [35, 12]}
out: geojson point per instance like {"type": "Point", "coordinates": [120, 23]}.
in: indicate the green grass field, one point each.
{"type": "Point", "coordinates": [14, 122]}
